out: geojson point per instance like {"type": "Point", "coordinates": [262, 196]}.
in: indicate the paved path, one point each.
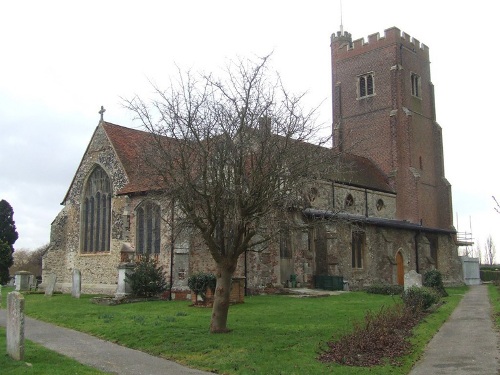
{"type": "Point", "coordinates": [467, 343]}
{"type": "Point", "coordinates": [98, 353]}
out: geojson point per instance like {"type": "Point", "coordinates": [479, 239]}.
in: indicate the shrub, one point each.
{"type": "Point", "coordinates": [200, 282]}
{"type": "Point", "coordinates": [489, 275]}
{"type": "Point", "coordinates": [434, 279]}
{"type": "Point", "coordinates": [147, 278]}
{"type": "Point", "coordinates": [420, 298]}
{"type": "Point", "coordinates": [382, 337]}
{"type": "Point", "coordinates": [386, 289]}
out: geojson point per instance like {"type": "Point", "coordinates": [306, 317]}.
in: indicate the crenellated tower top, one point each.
{"type": "Point", "coordinates": [344, 46]}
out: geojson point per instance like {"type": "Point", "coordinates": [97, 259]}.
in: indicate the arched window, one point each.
{"type": "Point", "coordinates": [349, 201]}
{"type": "Point", "coordinates": [96, 212]}
{"type": "Point", "coordinates": [148, 226]}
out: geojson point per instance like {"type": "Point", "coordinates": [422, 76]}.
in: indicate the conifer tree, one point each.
{"type": "Point", "coordinates": [8, 236]}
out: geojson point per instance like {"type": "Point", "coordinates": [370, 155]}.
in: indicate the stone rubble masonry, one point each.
{"type": "Point", "coordinates": [15, 326]}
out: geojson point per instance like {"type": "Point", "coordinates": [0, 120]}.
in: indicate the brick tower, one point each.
{"type": "Point", "coordinates": [383, 109]}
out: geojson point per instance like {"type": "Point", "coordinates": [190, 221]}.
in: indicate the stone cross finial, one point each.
{"type": "Point", "coordinates": [101, 112]}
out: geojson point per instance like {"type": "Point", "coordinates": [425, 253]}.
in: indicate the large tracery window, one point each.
{"type": "Point", "coordinates": [148, 224]}
{"type": "Point", "coordinates": [96, 212]}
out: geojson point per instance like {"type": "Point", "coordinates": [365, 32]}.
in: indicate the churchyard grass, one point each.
{"type": "Point", "coordinates": [494, 294]}
{"type": "Point", "coordinates": [271, 334]}
{"type": "Point", "coordinates": [38, 360]}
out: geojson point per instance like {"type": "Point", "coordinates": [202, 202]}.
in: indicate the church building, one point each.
{"type": "Point", "coordinates": [386, 212]}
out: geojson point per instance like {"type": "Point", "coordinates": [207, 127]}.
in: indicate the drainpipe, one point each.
{"type": "Point", "coordinates": [416, 251]}
{"type": "Point", "coordinates": [172, 248]}
{"type": "Point", "coordinates": [366, 203]}
{"type": "Point", "coordinates": [246, 275]}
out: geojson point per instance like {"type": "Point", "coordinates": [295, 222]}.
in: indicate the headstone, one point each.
{"type": "Point", "coordinates": [124, 289]}
{"type": "Point", "coordinates": [412, 278]}
{"type": "Point", "coordinates": [15, 325]}
{"type": "Point", "coordinates": [76, 288]}
{"type": "Point", "coordinates": [23, 280]}
{"type": "Point", "coordinates": [0, 296]}
{"type": "Point", "coordinates": [50, 285]}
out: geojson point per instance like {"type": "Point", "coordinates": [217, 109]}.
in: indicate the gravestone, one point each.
{"type": "Point", "coordinates": [124, 289]}
{"type": "Point", "coordinates": [50, 285]}
{"type": "Point", "coordinates": [15, 325]}
{"type": "Point", "coordinates": [0, 296]}
{"type": "Point", "coordinates": [23, 280]}
{"type": "Point", "coordinates": [76, 288]}
{"type": "Point", "coordinates": [412, 278]}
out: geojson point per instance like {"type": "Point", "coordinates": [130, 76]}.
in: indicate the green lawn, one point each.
{"type": "Point", "coordinates": [271, 334]}
{"type": "Point", "coordinates": [494, 294]}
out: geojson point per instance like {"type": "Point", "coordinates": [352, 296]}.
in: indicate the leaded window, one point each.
{"type": "Point", "coordinates": [148, 226]}
{"type": "Point", "coordinates": [357, 249]}
{"type": "Point", "coordinates": [366, 85]}
{"type": "Point", "coordinates": [96, 212]}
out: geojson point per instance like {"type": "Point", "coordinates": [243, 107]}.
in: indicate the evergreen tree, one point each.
{"type": "Point", "coordinates": [8, 236]}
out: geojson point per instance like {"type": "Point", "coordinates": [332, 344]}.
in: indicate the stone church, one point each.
{"type": "Point", "coordinates": [387, 211]}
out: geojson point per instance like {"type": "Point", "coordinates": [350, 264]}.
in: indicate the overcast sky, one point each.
{"type": "Point", "coordinates": [61, 60]}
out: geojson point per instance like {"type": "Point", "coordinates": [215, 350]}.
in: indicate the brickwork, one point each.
{"type": "Point", "coordinates": [392, 127]}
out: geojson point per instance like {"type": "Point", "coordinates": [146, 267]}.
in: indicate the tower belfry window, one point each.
{"type": "Point", "coordinates": [366, 85]}
{"type": "Point", "coordinates": [415, 85]}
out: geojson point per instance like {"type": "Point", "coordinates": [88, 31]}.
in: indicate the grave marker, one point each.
{"type": "Point", "coordinates": [15, 325]}
{"type": "Point", "coordinates": [51, 284]}
{"type": "Point", "coordinates": [76, 288]}
{"type": "Point", "coordinates": [412, 278]}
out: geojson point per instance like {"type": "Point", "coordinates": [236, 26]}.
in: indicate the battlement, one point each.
{"type": "Point", "coordinates": [343, 44]}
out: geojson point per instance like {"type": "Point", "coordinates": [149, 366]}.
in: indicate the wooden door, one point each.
{"type": "Point", "coordinates": [401, 268]}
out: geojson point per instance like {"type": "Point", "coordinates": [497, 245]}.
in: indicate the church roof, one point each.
{"type": "Point", "coordinates": [130, 144]}
{"type": "Point", "coordinates": [361, 172]}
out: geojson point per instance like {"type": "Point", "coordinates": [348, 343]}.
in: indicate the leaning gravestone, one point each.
{"type": "Point", "coordinates": [51, 284]}
{"type": "Point", "coordinates": [15, 325]}
{"type": "Point", "coordinates": [76, 288]}
{"type": "Point", "coordinates": [413, 278]}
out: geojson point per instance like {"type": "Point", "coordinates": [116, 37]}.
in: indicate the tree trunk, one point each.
{"type": "Point", "coordinates": [220, 310]}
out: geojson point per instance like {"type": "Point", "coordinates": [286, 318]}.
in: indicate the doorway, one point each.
{"type": "Point", "coordinates": [400, 268]}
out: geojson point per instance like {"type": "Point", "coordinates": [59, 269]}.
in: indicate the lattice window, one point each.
{"type": "Point", "coordinates": [285, 244]}
{"type": "Point", "coordinates": [96, 212]}
{"type": "Point", "coordinates": [358, 249]}
{"type": "Point", "coordinates": [366, 85]}
{"type": "Point", "coordinates": [148, 228]}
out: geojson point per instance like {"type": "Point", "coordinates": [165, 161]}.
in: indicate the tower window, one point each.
{"type": "Point", "coordinates": [366, 85]}
{"type": "Point", "coordinates": [415, 85]}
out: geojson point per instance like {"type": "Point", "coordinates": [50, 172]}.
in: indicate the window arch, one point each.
{"type": "Point", "coordinates": [96, 212]}
{"type": "Point", "coordinates": [148, 228]}
{"type": "Point", "coordinates": [349, 201]}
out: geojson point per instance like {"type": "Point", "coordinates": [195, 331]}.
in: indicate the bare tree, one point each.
{"type": "Point", "coordinates": [497, 207]}
{"type": "Point", "coordinates": [231, 153]}
{"type": "Point", "coordinates": [490, 250]}
{"type": "Point", "coordinates": [479, 252]}
{"type": "Point", "coordinates": [28, 260]}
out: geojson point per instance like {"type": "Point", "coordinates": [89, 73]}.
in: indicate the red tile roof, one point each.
{"type": "Point", "coordinates": [130, 144]}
